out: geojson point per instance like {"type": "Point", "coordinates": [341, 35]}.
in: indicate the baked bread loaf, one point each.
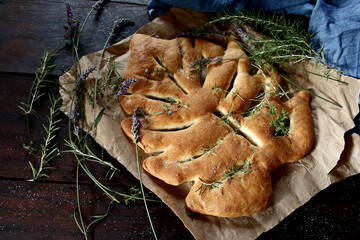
{"type": "Point", "coordinates": [208, 129]}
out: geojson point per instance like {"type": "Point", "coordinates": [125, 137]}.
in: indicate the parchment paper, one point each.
{"type": "Point", "coordinates": [294, 183]}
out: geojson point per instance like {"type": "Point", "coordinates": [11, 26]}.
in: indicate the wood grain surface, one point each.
{"type": "Point", "coordinates": [44, 209]}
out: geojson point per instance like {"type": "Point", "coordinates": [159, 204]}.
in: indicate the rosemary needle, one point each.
{"type": "Point", "coordinates": [49, 150]}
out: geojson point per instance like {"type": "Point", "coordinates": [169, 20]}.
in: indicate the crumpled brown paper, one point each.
{"type": "Point", "coordinates": [294, 183]}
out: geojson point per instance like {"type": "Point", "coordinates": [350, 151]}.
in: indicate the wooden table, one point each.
{"type": "Point", "coordinates": [44, 209]}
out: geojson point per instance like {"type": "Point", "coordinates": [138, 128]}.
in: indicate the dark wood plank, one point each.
{"type": "Point", "coordinates": [27, 27]}
{"type": "Point", "coordinates": [32, 210]}
{"type": "Point", "coordinates": [13, 128]}
{"type": "Point", "coordinates": [334, 213]}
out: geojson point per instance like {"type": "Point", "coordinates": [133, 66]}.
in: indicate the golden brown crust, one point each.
{"type": "Point", "coordinates": [200, 129]}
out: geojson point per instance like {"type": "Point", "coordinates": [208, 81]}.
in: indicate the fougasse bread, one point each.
{"type": "Point", "coordinates": [201, 123]}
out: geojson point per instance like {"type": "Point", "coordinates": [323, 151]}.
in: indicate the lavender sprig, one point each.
{"type": "Point", "coordinates": [135, 125]}
{"type": "Point", "coordinates": [135, 134]}
{"type": "Point", "coordinates": [98, 5]}
{"type": "Point", "coordinates": [72, 24]}
{"type": "Point", "coordinates": [75, 113]}
{"type": "Point", "coordinates": [217, 60]}
{"type": "Point", "coordinates": [244, 36]}
{"type": "Point", "coordinates": [119, 25]}
{"type": "Point", "coordinates": [125, 86]}
{"type": "Point", "coordinates": [185, 34]}
{"type": "Point", "coordinates": [198, 65]}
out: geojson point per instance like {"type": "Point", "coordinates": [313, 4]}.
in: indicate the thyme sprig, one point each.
{"type": "Point", "coordinates": [49, 149]}
{"type": "Point", "coordinates": [29, 147]}
{"type": "Point", "coordinates": [226, 118]}
{"type": "Point", "coordinates": [234, 93]}
{"type": "Point", "coordinates": [135, 193]}
{"type": "Point", "coordinates": [173, 101]}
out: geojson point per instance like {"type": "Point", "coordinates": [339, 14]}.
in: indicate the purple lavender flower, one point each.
{"type": "Point", "coordinates": [74, 115]}
{"type": "Point", "coordinates": [81, 79]}
{"type": "Point", "coordinates": [87, 73]}
{"type": "Point", "coordinates": [201, 63]}
{"type": "Point", "coordinates": [147, 72]}
{"type": "Point", "coordinates": [98, 5]}
{"type": "Point", "coordinates": [217, 60]}
{"type": "Point", "coordinates": [72, 23]}
{"type": "Point", "coordinates": [186, 34]}
{"type": "Point", "coordinates": [216, 30]}
{"type": "Point", "coordinates": [76, 130]}
{"type": "Point", "coordinates": [244, 36]}
{"type": "Point", "coordinates": [135, 125]}
{"type": "Point", "coordinates": [125, 86]}
{"type": "Point", "coordinates": [119, 25]}
{"type": "Point", "coordinates": [77, 92]}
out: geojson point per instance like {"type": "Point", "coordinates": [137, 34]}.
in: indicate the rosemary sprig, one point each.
{"type": "Point", "coordinates": [208, 186]}
{"type": "Point", "coordinates": [279, 41]}
{"type": "Point", "coordinates": [263, 99]}
{"type": "Point", "coordinates": [166, 109]}
{"type": "Point", "coordinates": [39, 83]}
{"type": "Point", "coordinates": [245, 169]}
{"type": "Point", "coordinates": [286, 40]}
{"type": "Point", "coordinates": [49, 149]}
{"type": "Point", "coordinates": [210, 150]}
{"type": "Point", "coordinates": [280, 123]}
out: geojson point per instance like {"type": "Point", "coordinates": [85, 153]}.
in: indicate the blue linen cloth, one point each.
{"type": "Point", "coordinates": [334, 23]}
